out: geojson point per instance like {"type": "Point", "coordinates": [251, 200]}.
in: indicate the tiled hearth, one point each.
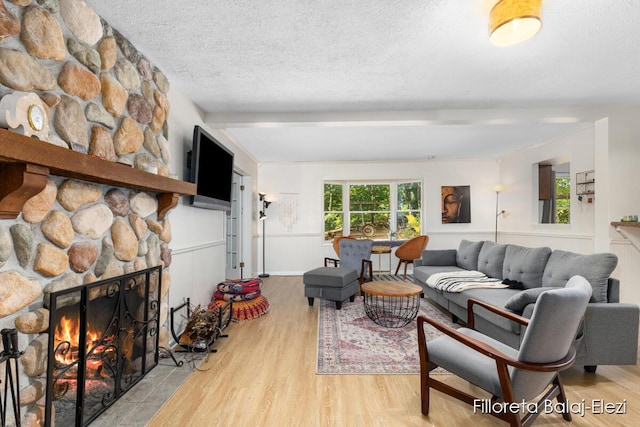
{"type": "Point", "coordinates": [139, 405]}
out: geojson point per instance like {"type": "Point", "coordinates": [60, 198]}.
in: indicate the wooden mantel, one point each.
{"type": "Point", "coordinates": [626, 224]}
{"type": "Point", "coordinates": [25, 164]}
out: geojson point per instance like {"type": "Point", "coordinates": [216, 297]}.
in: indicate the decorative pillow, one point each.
{"type": "Point", "coordinates": [240, 286]}
{"type": "Point", "coordinates": [467, 256]}
{"type": "Point", "coordinates": [519, 301]}
{"type": "Point", "coordinates": [222, 296]}
{"type": "Point", "coordinates": [596, 268]}
{"type": "Point", "coordinates": [513, 284]}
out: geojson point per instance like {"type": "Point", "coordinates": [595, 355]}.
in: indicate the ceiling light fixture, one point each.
{"type": "Point", "coordinates": [514, 21]}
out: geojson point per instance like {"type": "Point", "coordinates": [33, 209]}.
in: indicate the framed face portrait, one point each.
{"type": "Point", "coordinates": [456, 204]}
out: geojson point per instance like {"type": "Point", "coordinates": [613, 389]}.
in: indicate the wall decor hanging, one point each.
{"type": "Point", "coordinates": [456, 204]}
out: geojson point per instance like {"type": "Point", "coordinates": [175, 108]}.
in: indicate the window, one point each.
{"type": "Point", "coordinates": [333, 214]}
{"type": "Point", "coordinates": [369, 210]}
{"type": "Point", "coordinates": [372, 210]}
{"type": "Point", "coordinates": [409, 207]}
{"type": "Point", "coordinates": [554, 191]}
{"type": "Point", "coordinates": [563, 199]}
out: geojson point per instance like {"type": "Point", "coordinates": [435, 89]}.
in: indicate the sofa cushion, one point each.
{"type": "Point", "coordinates": [519, 301]}
{"type": "Point", "coordinates": [525, 265]}
{"type": "Point", "coordinates": [596, 268]}
{"type": "Point", "coordinates": [467, 255]}
{"type": "Point", "coordinates": [496, 297]}
{"type": "Point", "coordinates": [439, 257]}
{"type": "Point", "coordinates": [491, 259]}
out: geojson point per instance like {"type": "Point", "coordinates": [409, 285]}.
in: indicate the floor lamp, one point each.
{"type": "Point", "coordinates": [497, 188]}
{"type": "Point", "coordinates": [262, 218]}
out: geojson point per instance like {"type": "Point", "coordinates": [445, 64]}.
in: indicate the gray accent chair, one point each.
{"type": "Point", "coordinates": [511, 376]}
{"type": "Point", "coordinates": [343, 279]}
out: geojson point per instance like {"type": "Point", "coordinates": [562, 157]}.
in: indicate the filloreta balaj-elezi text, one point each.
{"type": "Point", "coordinates": [581, 407]}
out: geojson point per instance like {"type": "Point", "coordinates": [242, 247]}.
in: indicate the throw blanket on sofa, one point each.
{"type": "Point", "coordinates": [458, 281]}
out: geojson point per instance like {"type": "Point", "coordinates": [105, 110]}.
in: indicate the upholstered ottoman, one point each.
{"type": "Point", "coordinates": [332, 283]}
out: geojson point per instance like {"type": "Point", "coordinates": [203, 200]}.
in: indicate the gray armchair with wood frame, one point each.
{"type": "Point", "coordinates": [336, 243]}
{"type": "Point", "coordinates": [356, 254]}
{"type": "Point", "coordinates": [340, 279]}
{"type": "Point", "coordinates": [510, 376]}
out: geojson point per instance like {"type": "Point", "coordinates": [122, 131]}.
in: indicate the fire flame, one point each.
{"type": "Point", "coordinates": [68, 330]}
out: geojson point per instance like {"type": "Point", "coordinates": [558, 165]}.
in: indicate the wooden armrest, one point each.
{"type": "Point", "coordinates": [499, 311]}
{"type": "Point", "coordinates": [491, 351]}
{"type": "Point", "coordinates": [333, 261]}
{"type": "Point", "coordinates": [472, 343]}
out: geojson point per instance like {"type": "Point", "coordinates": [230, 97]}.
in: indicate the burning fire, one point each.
{"type": "Point", "coordinates": [68, 330]}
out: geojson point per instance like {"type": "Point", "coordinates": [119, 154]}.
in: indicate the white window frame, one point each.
{"type": "Point", "coordinates": [393, 203]}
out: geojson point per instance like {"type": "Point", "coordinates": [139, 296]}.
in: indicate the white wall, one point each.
{"type": "Point", "coordinates": [302, 247]}
{"type": "Point", "coordinates": [518, 172]}
{"type": "Point", "coordinates": [624, 196]}
{"type": "Point", "coordinates": [611, 148]}
{"type": "Point", "coordinates": [198, 244]}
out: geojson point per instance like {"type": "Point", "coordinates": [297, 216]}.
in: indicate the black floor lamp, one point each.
{"type": "Point", "coordinates": [263, 217]}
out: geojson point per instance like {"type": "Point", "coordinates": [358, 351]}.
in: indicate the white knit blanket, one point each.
{"type": "Point", "coordinates": [458, 281]}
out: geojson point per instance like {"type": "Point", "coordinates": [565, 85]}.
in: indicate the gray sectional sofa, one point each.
{"type": "Point", "coordinates": [609, 335]}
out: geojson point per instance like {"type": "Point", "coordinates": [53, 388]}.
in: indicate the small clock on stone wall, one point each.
{"type": "Point", "coordinates": [24, 112]}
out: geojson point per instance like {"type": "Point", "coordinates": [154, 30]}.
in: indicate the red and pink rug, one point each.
{"type": "Point", "coordinates": [351, 343]}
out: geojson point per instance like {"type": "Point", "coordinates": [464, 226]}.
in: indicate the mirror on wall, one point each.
{"type": "Point", "coordinates": [554, 192]}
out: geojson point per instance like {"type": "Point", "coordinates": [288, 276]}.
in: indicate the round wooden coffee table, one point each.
{"type": "Point", "coordinates": [391, 304]}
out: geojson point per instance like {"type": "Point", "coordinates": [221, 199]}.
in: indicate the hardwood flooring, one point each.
{"type": "Point", "coordinates": [264, 375]}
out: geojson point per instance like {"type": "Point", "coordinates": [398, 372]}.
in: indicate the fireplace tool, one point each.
{"type": "Point", "coordinates": [10, 352]}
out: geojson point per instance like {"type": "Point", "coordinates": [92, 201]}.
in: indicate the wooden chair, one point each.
{"type": "Point", "coordinates": [511, 376]}
{"type": "Point", "coordinates": [410, 250]}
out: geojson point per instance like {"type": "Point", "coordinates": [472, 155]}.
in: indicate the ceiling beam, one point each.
{"type": "Point", "coordinates": [403, 118]}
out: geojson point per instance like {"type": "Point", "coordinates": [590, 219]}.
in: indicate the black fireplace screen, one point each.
{"type": "Point", "coordinates": [103, 339]}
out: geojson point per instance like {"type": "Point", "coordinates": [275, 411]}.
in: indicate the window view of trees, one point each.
{"type": "Point", "coordinates": [369, 210]}
{"type": "Point", "coordinates": [409, 206]}
{"type": "Point", "coordinates": [563, 199]}
{"type": "Point", "coordinates": [333, 214]}
{"type": "Point", "coordinates": [376, 211]}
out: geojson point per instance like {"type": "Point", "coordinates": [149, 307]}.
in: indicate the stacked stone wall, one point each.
{"type": "Point", "coordinates": [105, 99]}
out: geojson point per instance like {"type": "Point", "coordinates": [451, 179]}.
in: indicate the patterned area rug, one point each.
{"type": "Point", "coordinates": [351, 343]}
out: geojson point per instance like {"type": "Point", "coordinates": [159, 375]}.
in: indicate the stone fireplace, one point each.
{"type": "Point", "coordinates": [103, 339]}
{"type": "Point", "coordinates": [105, 100]}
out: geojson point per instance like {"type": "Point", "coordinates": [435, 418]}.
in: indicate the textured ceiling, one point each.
{"type": "Point", "coordinates": [272, 72]}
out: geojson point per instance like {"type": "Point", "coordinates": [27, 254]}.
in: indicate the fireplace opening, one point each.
{"type": "Point", "coordinates": [103, 339]}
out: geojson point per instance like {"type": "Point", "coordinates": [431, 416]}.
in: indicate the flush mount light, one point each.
{"type": "Point", "coordinates": [514, 21]}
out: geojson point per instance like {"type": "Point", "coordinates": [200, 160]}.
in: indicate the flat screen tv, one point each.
{"type": "Point", "coordinates": [211, 171]}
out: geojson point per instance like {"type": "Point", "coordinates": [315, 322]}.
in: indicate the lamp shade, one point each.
{"type": "Point", "coordinates": [497, 187]}
{"type": "Point", "coordinates": [514, 21]}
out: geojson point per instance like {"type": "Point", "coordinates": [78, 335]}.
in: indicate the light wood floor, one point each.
{"type": "Point", "coordinates": [264, 375]}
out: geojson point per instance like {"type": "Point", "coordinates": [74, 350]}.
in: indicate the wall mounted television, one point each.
{"type": "Point", "coordinates": [211, 171]}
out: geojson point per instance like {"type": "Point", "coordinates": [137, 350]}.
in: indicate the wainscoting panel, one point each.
{"type": "Point", "coordinates": [628, 270]}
